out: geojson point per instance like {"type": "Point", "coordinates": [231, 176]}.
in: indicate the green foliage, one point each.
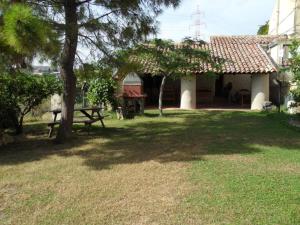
{"type": "Point", "coordinates": [8, 110]}
{"type": "Point", "coordinates": [102, 91]}
{"type": "Point", "coordinates": [90, 71]}
{"type": "Point", "coordinates": [263, 29]}
{"type": "Point", "coordinates": [23, 35]}
{"type": "Point", "coordinates": [294, 68]}
{"type": "Point", "coordinates": [22, 93]}
{"type": "Point", "coordinates": [101, 26]}
{"type": "Point", "coordinates": [24, 31]}
{"type": "Point", "coordinates": [125, 61]}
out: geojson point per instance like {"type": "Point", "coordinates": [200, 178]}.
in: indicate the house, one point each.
{"type": "Point", "coordinates": [42, 70]}
{"type": "Point", "coordinates": [251, 69]}
{"type": "Point", "coordinates": [285, 19]}
{"type": "Point", "coordinates": [247, 70]}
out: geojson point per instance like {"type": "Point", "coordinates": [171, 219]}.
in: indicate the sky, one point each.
{"type": "Point", "coordinates": [220, 17]}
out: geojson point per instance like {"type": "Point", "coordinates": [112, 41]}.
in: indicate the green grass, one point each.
{"type": "Point", "coordinates": [189, 167]}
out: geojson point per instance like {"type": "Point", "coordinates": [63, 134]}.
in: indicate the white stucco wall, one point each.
{"type": "Point", "coordinates": [259, 91]}
{"type": "Point", "coordinates": [297, 18]}
{"type": "Point", "coordinates": [188, 93]}
{"type": "Point", "coordinates": [284, 17]}
{"type": "Point", "coordinates": [275, 52]}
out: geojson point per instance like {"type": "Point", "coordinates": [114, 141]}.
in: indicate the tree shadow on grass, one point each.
{"type": "Point", "coordinates": [198, 135]}
{"type": "Point", "coordinates": [179, 137]}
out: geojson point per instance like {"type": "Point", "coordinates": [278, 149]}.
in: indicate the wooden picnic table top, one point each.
{"type": "Point", "coordinates": [78, 109]}
{"type": "Point", "coordinates": [91, 117]}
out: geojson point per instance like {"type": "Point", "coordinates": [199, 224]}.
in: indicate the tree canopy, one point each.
{"type": "Point", "coordinates": [20, 94]}
{"type": "Point", "coordinates": [263, 29]}
{"type": "Point", "coordinates": [294, 68]}
{"type": "Point", "coordinates": [23, 35]}
{"type": "Point", "coordinates": [101, 26]}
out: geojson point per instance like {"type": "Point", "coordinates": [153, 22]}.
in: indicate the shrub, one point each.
{"type": "Point", "coordinates": [20, 94]}
{"type": "Point", "coordinates": [295, 69]}
{"type": "Point", "coordinates": [101, 91]}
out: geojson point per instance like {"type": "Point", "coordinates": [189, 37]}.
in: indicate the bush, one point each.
{"type": "Point", "coordinates": [101, 91]}
{"type": "Point", "coordinates": [294, 68]}
{"type": "Point", "coordinates": [296, 94]}
{"type": "Point", "coordinates": [39, 111]}
{"type": "Point", "coordinates": [20, 94]}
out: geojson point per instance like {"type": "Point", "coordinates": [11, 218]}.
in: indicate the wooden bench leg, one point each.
{"type": "Point", "coordinates": [100, 118]}
{"type": "Point", "coordinates": [102, 123]}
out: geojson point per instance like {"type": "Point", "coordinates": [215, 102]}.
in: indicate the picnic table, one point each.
{"type": "Point", "coordinates": [90, 114]}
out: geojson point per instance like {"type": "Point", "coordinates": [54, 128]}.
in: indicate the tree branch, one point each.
{"type": "Point", "coordinates": [98, 18]}
{"type": "Point", "coordinates": [83, 2]}
{"type": "Point", "coordinates": [94, 43]}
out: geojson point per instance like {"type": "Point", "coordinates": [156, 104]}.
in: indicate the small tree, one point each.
{"type": "Point", "coordinates": [173, 61]}
{"type": "Point", "coordinates": [263, 29]}
{"type": "Point", "coordinates": [22, 93]}
{"type": "Point", "coordinates": [101, 91]}
{"type": "Point", "coordinates": [294, 68]}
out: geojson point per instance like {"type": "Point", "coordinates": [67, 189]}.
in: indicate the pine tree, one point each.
{"type": "Point", "coordinates": [101, 26]}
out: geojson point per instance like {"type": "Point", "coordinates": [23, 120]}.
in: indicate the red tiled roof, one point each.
{"type": "Point", "coordinates": [248, 39]}
{"type": "Point", "coordinates": [242, 55]}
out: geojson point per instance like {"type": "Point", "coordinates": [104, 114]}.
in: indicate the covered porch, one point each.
{"type": "Point", "coordinates": [242, 81]}
{"type": "Point", "coordinates": [246, 91]}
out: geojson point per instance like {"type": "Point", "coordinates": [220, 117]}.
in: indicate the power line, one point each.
{"type": "Point", "coordinates": [198, 24]}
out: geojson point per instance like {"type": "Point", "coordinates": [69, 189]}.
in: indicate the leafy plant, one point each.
{"type": "Point", "coordinates": [101, 91]}
{"type": "Point", "coordinates": [263, 29]}
{"type": "Point", "coordinates": [20, 94]}
{"type": "Point", "coordinates": [23, 35]}
{"type": "Point", "coordinates": [22, 29]}
{"type": "Point", "coordinates": [294, 68]}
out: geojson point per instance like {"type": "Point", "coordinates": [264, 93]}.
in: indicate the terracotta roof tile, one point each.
{"type": "Point", "coordinates": [242, 55]}
{"type": "Point", "coordinates": [249, 39]}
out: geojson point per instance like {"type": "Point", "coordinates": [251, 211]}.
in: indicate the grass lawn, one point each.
{"type": "Point", "coordinates": [190, 167]}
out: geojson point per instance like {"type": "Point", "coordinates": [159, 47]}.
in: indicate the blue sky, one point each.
{"type": "Point", "coordinates": [221, 17]}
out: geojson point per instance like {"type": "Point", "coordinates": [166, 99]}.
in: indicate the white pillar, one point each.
{"type": "Point", "coordinates": [259, 91]}
{"type": "Point", "coordinates": [188, 93]}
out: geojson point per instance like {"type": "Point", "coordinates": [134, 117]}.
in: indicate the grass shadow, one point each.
{"type": "Point", "coordinates": [179, 136]}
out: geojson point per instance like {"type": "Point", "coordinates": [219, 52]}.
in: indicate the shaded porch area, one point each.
{"type": "Point", "coordinates": [224, 91]}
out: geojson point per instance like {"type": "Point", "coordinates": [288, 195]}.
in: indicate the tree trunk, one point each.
{"type": "Point", "coordinates": [19, 127]}
{"type": "Point", "coordinates": [161, 93]}
{"type": "Point", "coordinates": [67, 70]}
{"type": "Point", "coordinates": [13, 116]}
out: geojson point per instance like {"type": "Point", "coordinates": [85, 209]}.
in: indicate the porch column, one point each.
{"type": "Point", "coordinates": [188, 93]}
{"type": "Point", "coordinates": [259, 91]}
